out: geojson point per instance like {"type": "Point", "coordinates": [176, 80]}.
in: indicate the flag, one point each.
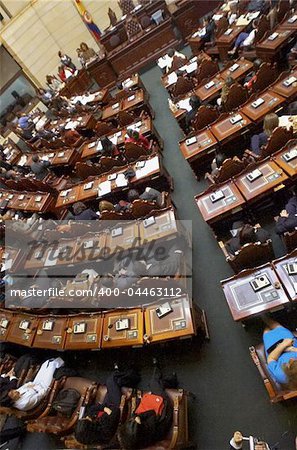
{"type": "Point", "coordinates": [87, 19]}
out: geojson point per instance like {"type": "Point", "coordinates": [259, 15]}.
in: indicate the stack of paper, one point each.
{"type": "Point", "coordinates": [104, 188]}
{"type": "Point", "coordinates": [185, 104]}
{"type": "Point", "coordinates": [121, 180]}
{"type": "Point", "coordinates": [171, 79]}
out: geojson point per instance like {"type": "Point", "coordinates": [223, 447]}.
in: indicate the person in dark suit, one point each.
{"type": "Point", "coordinates": [81, 212]}
{"type": "Point", "coordinates": [195, 105]}
{"type": "Point", "coordinates": [247, 235]}
{"type": "Point", "coordinates": [39, 168]}
{"type": "Point", "coordinates": [152, 418]}
{"type": "Point", "coordinates": [271, 122]}
{"type": "Point", "coordinates": [287, 220]}
{"type": "Point", "coordinates": [150, 194]}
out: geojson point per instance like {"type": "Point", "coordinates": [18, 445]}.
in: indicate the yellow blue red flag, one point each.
{"type": "Point", "coordinates": [87, 19]}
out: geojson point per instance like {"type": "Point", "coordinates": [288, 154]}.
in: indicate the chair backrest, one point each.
{"type": "Point", "coordinates": [132, 26]}
{"type": "Point", "coordinates": [145, 22]}
{"type": "Point", "coordinates": [221, 26]}
{"type": "Point", "coordinates": [205, 116]}
{"type": "Point", "coordinates": [113, 215]}
{"type": "Point", "coordinates": [182, 86]}
{"type": "Point", "coordinates": [107, 163]}
{"type": "Point", "coordinates": [206, 69]}
{"type": "Point", "coordinates": [134, 151]}
{"type": "Point", "coordinates": [83, 170]}
{"type": "Point", "coordinates": [229, 169]}
{"type": "Point", "coordinates": [282, 9]}
{"type": "Point", "coordinates": [236, 96]}
{"type": "Point", "coordinates": [114, 40]}
{"type": "Point", "coordinates": [279, 137]}
{"type": "Point", "coordinates": [125, 118]}
{"type": "Point", "coordinates": [112, 17]}
{"type": "Point", "coordinates": [126, 6]}
{"type": "Point", "coordinates": [266, 75]}
{"type": "Point", "coordinates": [263, 27]}
{"type": "Point", "coordinates": [103, 128]}
{"type": "Point", "coordinates": [290, 240]}
{"type": "Point", "coordinates": [251, 255]}
{"type": "Point", "coordinates": [141, 208]}
{"type": "Point", "coordinates": [177, 62]}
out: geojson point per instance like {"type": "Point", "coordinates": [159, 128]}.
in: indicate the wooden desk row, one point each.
{"type": "Point", "coordinates": [95, 246]}
{"type": "Point", "coordinates": [240, 192]}
{"type": "Point", "coordinates": [94, 331]}
{"type": "Point", "coordinates": [279, 288]}
{"type": "Point", "coordinates": [56, 157]}
{"type": "Point", "coordinates": [135, 100]}
{"type": "Point", "coordinates": [35, 202]}
{"type": "Point", "coordinates": [152, 171]}
{"type": "Point", "coordinates": [273, 43]}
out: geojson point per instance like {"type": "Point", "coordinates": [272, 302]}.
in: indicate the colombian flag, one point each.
{"type": "Point", "coordinates": [87, 19]}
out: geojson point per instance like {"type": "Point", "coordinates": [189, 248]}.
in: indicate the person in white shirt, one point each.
{"type": "Point", "coordinates": [245, 39]}
{"type": "Point", "coordinates": [30, 394]}
{"type": "Point", "coordinates": [170, 55]}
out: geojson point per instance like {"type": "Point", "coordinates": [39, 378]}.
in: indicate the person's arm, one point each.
{"type": "Point", "coordinates": [276, 353]}
{"type": "Point", "coordinates": [144, 140]}
{"type": "Point", "coordinates": [291, 206]}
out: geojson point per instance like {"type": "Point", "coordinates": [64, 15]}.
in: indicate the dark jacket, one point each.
{"type": "Point", "coordinates": [257, 141]}
{"type": "Point", "coordinates": [286, 224]}
{"type": "Point", "coordinates": [99, 430]}
{"type": "Point", "coordinates": [6, 385]}
{"type": "Point", "coordinates": [152, 196]}
{"type": "Point", "coordinates": [234, 244]}
{"type": "Point", "coordinates": [87, 214]}
{"type": "Point", "coordinates": [291, 206]}
{"type": "Point", "coordinates": [40, 169]}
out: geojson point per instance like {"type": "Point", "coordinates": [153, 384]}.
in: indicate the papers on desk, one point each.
{"type": "Point", "coordinates": [288, 122]}
{"type": "Point", "coordinates": [127, 83]}
{"type": "Point", "coordinates": [137, 8]}
{"type": "Point", "coordinates": [99, 146]}
{"type": "Point", "coordinates": [45, 158]}
{"type": "Point", "coordinates": [191, 67]}
{"type": "Point", "coordinates": [172, 78]}
{"type": "Point", "coordinates": [22, 161]}
{"type": "Point", "coordinates": [104, 188]}
{"type": "Point", "coordinates": [135, 126]}
{"type": "Point", "coordinates": [199, 33]}
{"type": "Point", "coordinates": [184, 104]}
{"type": "Point", "coordinates": [164, 61]}
{"type": "Point", "coordinates": [150, 166]}
{"type": "Point", "coordinates": [217, 16]}
{"type": "Point", "coordinates": [91, 145]}
{"type": "Point", "coordinates": [121, 180]}
{"type": "Point", "coordinates": [6, 150]}
{"type": "Point", "coordinates": [123, 17]}
{"type": "Point", "coordinates": [114, 139]}
{"type": "Point", "coordinates": [71, 124]}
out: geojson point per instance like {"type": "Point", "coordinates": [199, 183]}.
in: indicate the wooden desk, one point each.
{"type": "Point", "coordinates": [195, 42]}
{"type": "Point", "coordinates": [286, 25]}
{"type": "Point", "coordinates": [56, 158]}
{"type": "Point", "coordinates": [289, 92]}
{"type": "Point", "coordinates": [128, 234]}
{"type": "Point", "coordinates": [230, 204]}
{"type": "Point", "coordinates": [89, 247]}
{"type": "Point", "coordinates": [22, 329]}
{"type": "Point", "coordinates": [245, 66]}
{"type": "Point", "coordinates": [84, 332]}
{"type": "Point", "coordinates": [102, 72]}
{"type": "Point", "coordinates": [289, 167]}
{"type": "Point", "coordinates": [149, 46]}
{"type": "Point", "coordinates": [244, 303]}
{"type": "Point", "coordinates": [269, 50]}
{"type": "Point", "coordinates": [132, 337]}
{"type": "Point", "coordinates": [76, 85]}
{"type": "Point", "coordinates": [85, 121]}
{"type": "Point", "coordinates": [6, 320]}
{"type": "Point", "coordinates": [271, 102]}
{"type": "Point", "coordinates": [177, 324]}
{"type": "Point", "coordinates": [224, 130]}
{"type": "Point", "coordinates": [206, 95]}
{"type": "Point", "coordinates": [51, 332]}
{"type": "Point", "coordinates": [165, 226]}
{"type": "Point", "coordinates": [111, 111]}
{"type": "Point", "coordinates": [135, 100]}
{"type": "Point", "coordinates": [226, 41]}
{"type": "Point", "coordinates": [204, 145]}
{"type": "Point", "coordinates": [12, 152]}
{"type": "Point", "coordinates": [40, 202]}
{"type": "Point", "coordinates": [272, 180]}
{"type": "Point", "coordinates": [181, 112]}
{"type": "Point", "coordinates": [288, 281]}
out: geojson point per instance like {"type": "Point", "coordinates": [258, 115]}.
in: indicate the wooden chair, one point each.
{"type": "Point", "coordinates": [290, 240]}
{"type": "Point", "coordinates": [114, 40]}
{"type": "Point", "coordinates": [266, 76]}
{"type": "Point", "coordinates": [182, 87]}
{"type": "Point", "coordinates": [114, 215]}
{"type": "Point", "coordinates": [125, 118]}
{"type": "Point", "coordinates": [236, 96]}
{"type": "Point", "coordinates": [263, 27]}
{"type": "Point", "coordinates": [133, 151]}
{"type": "Point", "coordinates": [249, 256]}
{"type": "Point", "coordinates": [205, 116]}
{"type": "Point", "coordinates": [58, 424]}
{"type": "Point", "coordinates": [126, 6]}
{"type": "Point", "coordinates": [207, 69]}
{"type": "Point", "coordinates": [178, 62]}
{"type": "Point", "coordinates": [132, 27]}
{"type": "Point", "coordinates": [278, 139]}
{"type": "Point", "coordinates": [141, 208]}
{"type": "Point", "coordinates": [84, 169]}
{"type": "Point", "coordinates": [103, 128]}
{"type": "Point", "coordinates": [276, 392]}
{"type": "Point", "coordinates": [282, 9]}
{"type": "Point", "coordinates": [229, 168]}
{"type": "Point", "coordinates": [221, 26]}
{"type": "Point", "coordinates": [125, 412]}
{"type": "Point", "coordinates": [112, 17]}
{"type": "Point", "coordinates": [107, 163]}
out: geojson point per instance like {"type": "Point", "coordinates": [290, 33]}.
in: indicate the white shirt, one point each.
{"type": "Point", "coordinates": [250, 39]}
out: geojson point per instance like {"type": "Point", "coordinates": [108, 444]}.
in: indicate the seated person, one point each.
{"type": "Point", "coordinates": [287, 220]}
{"type": "Point", "coordinates": [30, 394]}
{"type": "Point", "coordinates": [39, 168]}
{"type": "Point", "coordinates": [45, 95]}
{"type": "Point", "coordinates": [101, 420]}
{"type": "Point", "coordinates": [24, 121]}
{"type": "Point", "coordinates": [8, 382]}
{"type": "Point", "coordinates": [150, 194]}
{"type": "Point", "coordinates": [281, 352]}
{"type": "Point", "coordinates": [170, 55]}
{"type": "Point", "coordinates": [245, 38]}
{"type": "Point", "coordinates": [256, 5]}
{"type": "Point", "coordinates": [108, 148]}
{"type": "Point", "coordinates": [152, 418]}
{"type": "Point", "coordinates": [104, 205]}
{"type": "Point", "coordinates": [136, 138]}
{"type": "Point", "coordinates": [190, 115]}
{"type": "Point", "coordinates": [86, 53]}
{"type": "Point", "coordinates": [271, 122]}
{"type": "Point", "coordinates": [82, 212]}
{"type": "Point", "coordinates": [251, 77]}
{"type": "Point", "coordinates": [182, 84]}
{"type": "Point", "coordinates": [246, 234]}
{"type": "Point", "coordinates": [208, 29]}
{"type": "Point", "coordinates": [225, 90]}
{"type": "Point", "coordinates": [71, 137]}
{"type": "Point", "coordinates": [217, 162]}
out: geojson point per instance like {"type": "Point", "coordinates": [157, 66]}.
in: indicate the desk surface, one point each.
{"type": "Point", "coordinates": [271, 102]}
{"type": "Point", "coordinates": [134, 100]}
{"type": "Point", "coordinates": [6, 318]}
{"type": "Point", "coordinates": [164, 226]}
{"type": "Point", "coordinates": [272, 178]}
{"type": "Point", "coordinates": [227, 38]}
{"type": "Point", "coordinates": [286, 25]}
{"type": "Point", "coordinates": [289, 167]}
{"type": "Point", "coordinates": [289, 281]}
{"type": "Point", "coordinates": [232, 201]}
{"type": "Point", "coordinates": [51, 333]}
{"type": "Point", "coordinates": [22, 329]}
{"type": "Point", "coordinates": [205, 141]}
{"type": "Point", "coordinates": [224, 129]}
{"type": "Point", "coordinates": [286, 91]}
{"type": "Point", "coordinates": [84, 332]}
{"type": "Point", "coordinates": [177, 324]}
{"type": "Point", "coordinates": [29, 201]}
{"type": "Point", "coordinates": [245, 66]}
{"type": "Point", "coordinates": [60, 157]}
{"type": "Point", "coordinates": [244, 303]}
{"type": "Point", "coordinates": [206, 94]}
{"type": "Point", "coordinates": [133, 336]}
{"type": "Point", "coordinates": [279, 41]}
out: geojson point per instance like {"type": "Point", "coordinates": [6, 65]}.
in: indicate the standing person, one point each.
{"type": "Point", "coordinates": [66, 61]}
{"type": "Point", "coordinates": [86, 53]}
{"type": "Point", "coordinates": [102, 419]}
{"type": "Point", "coordinates": [39, 168]}
{"type": "Point", "coordinates": [195, 105]}
{"type": "Point", "coordinates": [152, 418]}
